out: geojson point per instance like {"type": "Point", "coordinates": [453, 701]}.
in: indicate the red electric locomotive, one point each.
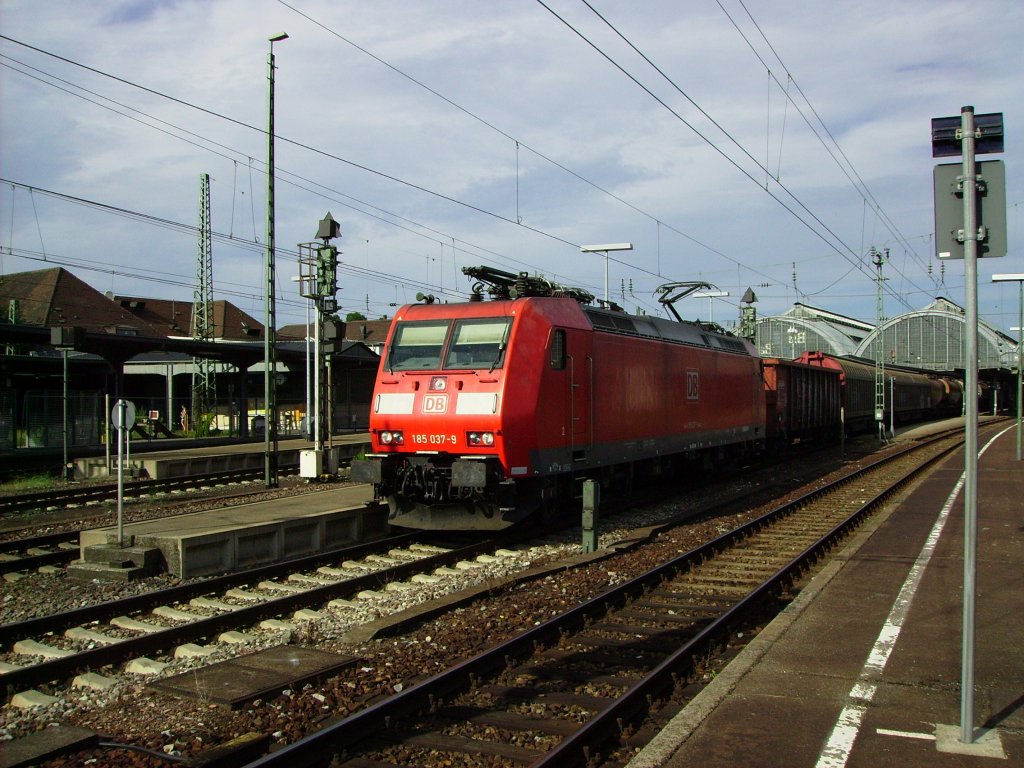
{"type": "Point", "coordinates": [484, 411]}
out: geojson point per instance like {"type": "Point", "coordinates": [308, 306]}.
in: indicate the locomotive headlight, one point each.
{"type": "Point", "coordinates": [480, 438]}
{"type": "Point", "coordinates": [391, 438]}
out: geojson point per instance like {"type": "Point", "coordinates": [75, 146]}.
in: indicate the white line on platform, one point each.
{"type": "Point", "coordinates": [840, 743]}
{"type": "Point", "coordinates": [905, 734]}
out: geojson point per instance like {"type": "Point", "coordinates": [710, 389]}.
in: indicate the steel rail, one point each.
{"type": "Point", "coordinates": [32, 562]}
{"type": "Point", "coordinates": [578, 749]}
{"type": "Point", "coordinates": [119, 650]}
{"type": "Point", "coordinates": [319, 747]}
{"type": "Point", "coordinates": [43, 540]}
{"type": "Point", "coordinates": [108, 491]}
{"type": "Point", "coordinates": [101, 611]}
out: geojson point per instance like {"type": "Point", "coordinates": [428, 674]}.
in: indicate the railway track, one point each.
{"type": "Point", "coordinates": [569, 691]}
{"type": "Point", "coordinates": [85, 625]}
{"type": "Point", "coordinates": [89, 495]}
{"type": "Point", "coordinates": [34, 552]}
{"type": "Point", "coordinates": [29, 553]}
{"type": "Point", "coordinates": [114, 632]}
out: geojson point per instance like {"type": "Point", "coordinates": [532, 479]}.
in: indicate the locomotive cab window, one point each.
{"type": "Point", "coordinates": [417, 346]}
{"type": "Point", "coordinates": [478, 343]}
{"type": "Point", "coordinates": [558, 350]}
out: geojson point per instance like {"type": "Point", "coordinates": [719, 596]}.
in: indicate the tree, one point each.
{"type": "Point", "coordinates": [353, 316]}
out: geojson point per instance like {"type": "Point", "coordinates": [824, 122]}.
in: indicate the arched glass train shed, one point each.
{"type": "Point", "coordinates": [933, 339]}
{"type": "Point", "coordinates": [809, 329]}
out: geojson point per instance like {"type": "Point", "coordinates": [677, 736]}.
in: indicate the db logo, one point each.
{"type": "Point", "coordinates": [692, 385]}
{"type": "Point", "coordinates": [435, 403]}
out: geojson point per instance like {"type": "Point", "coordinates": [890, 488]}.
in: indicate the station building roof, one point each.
{"type": "Point", "coordinates": [372, 333]}
{"type": "Point", "coordinates": [933, 339]}
{"type": "Point", "coordinates": [146, 330]}
{"type": "Point", "coordinates": [804, 328]}
{"type": "Point", "coordinates": [55, 297]}
{"type": "Point", "coordinates": [174, 318]}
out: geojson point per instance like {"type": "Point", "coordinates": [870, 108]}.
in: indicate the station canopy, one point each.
{"type": "Point", "coordinates": [931, 338]}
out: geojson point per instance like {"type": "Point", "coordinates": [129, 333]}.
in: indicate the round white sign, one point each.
{"type": "Point", "coordinates": [129, 414]}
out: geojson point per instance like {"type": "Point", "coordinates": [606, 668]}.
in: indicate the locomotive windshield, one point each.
{"type": "Point", "coordinates": [478, 343]}
{"type": "Point", "coordinates": [417, 346]}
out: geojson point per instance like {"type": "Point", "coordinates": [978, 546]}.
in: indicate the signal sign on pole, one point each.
{"type": "Point", "coordinates": [974, 134]}
{"type": "Point", "coordinates": [947, 135]}
{"type": "Point", "coordinates": [989, 202]}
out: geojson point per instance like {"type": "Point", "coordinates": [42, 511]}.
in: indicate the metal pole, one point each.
{"type": "Point", "coordinates": [892, 407]}
{"type": "Point", "coordinates": [106, 428]}
{"type": "Point", "coordinates": [606, 278]}
{"type": "Point", "coordinates": [64, 473]}
{"type": "Point", "coordinates": [122, 413]}
{"type": "Point", "coordinates": [1019, 278]}
{"type": "Point", "coordinates": [1020, 360]}
{"type": "Point", "coordinates": [971, 425]}
{"type": "Point", "coordinates": [170, 395]}
{"type": "Point", "coordinates": [128, 444]}
{"type": "Point", "coordinates": [591, 515]}
{"type": "Point", "coordinates": [330, 402]}
{"type": "Point", "coordinates": [269, 333]}
{"type": "Point", "coordinates": [318, 442]}
{"type": "Point", "coordinates": [309, 416]}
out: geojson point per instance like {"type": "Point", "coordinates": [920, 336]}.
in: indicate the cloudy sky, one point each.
{"type": "Point", "coordinates": [746, 143]}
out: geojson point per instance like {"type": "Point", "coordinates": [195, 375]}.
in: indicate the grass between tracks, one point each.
{"type": "Point", "coordinates": [21, 483]}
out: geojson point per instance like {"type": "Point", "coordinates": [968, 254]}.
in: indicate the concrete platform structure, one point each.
{"type": "Point", "coordinates": [232, 538]}
{"type": "Point", "coordinates": [201, 459]}
{"type": "Point", "coordinates": [864, 668]}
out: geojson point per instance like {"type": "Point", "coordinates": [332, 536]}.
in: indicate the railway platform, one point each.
{"type": "Point", "coordinates": [239, 536]}
{"type": "Point", "coordinates": [202, 459]}
{"type": "Point", "coordinates": [864, 667]}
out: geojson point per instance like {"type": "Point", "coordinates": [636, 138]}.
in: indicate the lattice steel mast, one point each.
{"type": "Point", "coordinates": [202, 309]}
{"type": "Point", "coordinates": [879, 346]}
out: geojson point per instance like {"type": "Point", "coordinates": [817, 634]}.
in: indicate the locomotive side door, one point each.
{"type": "Point", "coordinates": [580, 367]}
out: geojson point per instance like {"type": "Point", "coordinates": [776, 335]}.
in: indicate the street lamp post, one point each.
{"type": "Point", "coordinates": [269, 299]}
{"type": "Point", "coordinates": [1019, 279]}
{"type": "Point", "coordinates": [66, 339]}
{"type": "Point", "coordinates": [605, 248]}
{"type": "Point", "coordinates": [710, 296]}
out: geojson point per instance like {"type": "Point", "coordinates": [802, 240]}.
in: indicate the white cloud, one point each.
{"type": "Point", "coordinates": [875, 72]}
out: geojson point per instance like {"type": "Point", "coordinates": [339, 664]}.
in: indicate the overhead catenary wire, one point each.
{"type": "Point", "coordinates": [373, 171]}
{"type": "Point", "coordinates": [547, 158]}
{"type": "Point", "coordinates": [517, 217]}
{"type": "Point", "coordinates": [293, 142]}
{"type": "Point", "coordinates": [170, 129]}
{"type": "Point", "coordinates": [191, 230]}
{"type": "Point", "coordinates": [840, 251]}
{"type": "Point", "coordinates": [860, 185]}
{"type": "Point", "coordinates": [304, 147]}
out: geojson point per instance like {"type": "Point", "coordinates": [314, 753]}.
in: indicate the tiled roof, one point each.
{"type": "Point", "coordinates": [55, 297]}
{"type": "Point", "coordinates": [229, 322]}
{"type": "Point", "coordinates": [366, 331]}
